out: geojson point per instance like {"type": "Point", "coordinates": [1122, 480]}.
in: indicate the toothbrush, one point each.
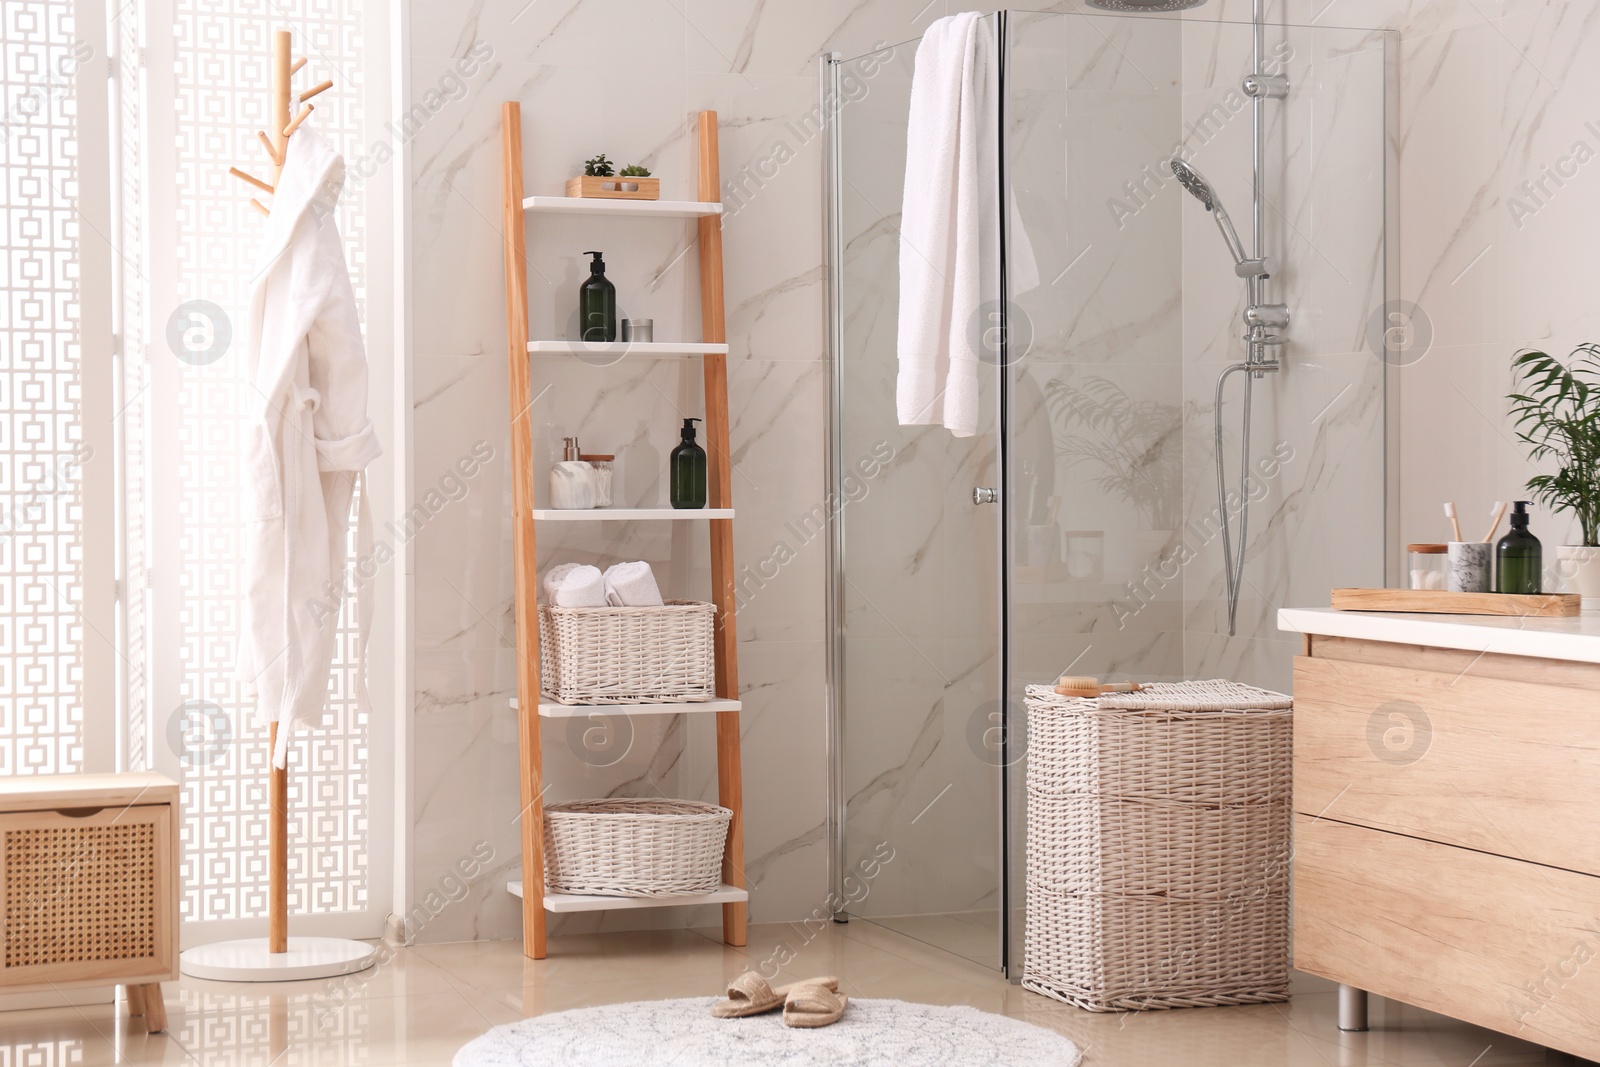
{"type": "Point", "coordinates": [1450, 513]}
{"type": "Point", "coordinates": [1499, 513]}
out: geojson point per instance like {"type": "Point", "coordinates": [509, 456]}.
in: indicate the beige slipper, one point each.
{"type": "Point", "coordinates": [750, 994]}
{"type": "Point", "coordinates": [811, 1006]}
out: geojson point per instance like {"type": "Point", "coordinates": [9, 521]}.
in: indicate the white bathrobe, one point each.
{"type": "Point", "coordinates": [306, 440]}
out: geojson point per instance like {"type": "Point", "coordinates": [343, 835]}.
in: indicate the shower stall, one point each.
{"type": "Point", "coordinates": [1080, 530]}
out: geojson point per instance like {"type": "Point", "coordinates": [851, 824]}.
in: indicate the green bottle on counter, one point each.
{"type": "Point", "coordinates": [1518, 558]}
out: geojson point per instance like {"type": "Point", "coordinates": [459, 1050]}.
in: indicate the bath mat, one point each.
{"type": "Point", "coordinates": [873, 1033]}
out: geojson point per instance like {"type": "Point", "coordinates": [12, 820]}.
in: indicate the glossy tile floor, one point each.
{"type": "Point", "coordinates": [425, 1002]}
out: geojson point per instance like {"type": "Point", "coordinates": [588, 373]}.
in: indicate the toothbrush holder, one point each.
{"type": "Point", "coordinates": [1470, 563]}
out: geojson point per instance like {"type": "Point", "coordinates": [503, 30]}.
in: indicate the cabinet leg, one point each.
{"type": "Point", "coordinates": [135, 1000]}
{"type": "Point", "coordinates": [155, 1009]}
{"type": "Point", "coordinates": [1352, 1008]}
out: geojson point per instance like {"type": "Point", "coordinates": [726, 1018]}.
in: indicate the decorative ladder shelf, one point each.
{"type": "Point", "coordinates": [719, 486]}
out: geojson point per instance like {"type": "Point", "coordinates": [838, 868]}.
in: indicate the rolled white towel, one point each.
{"type": "Point", "coordinates": [574, 585]}
{"type": "Point", "coordinates": [632, 585]}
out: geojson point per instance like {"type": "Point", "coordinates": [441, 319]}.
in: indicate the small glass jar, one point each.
{"type": "Point", "coordinates": [602, 465]}
{"type": "Point", "coordinates": [1428, 566]}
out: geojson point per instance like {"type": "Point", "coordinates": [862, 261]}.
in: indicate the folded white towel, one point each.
{"type": "Point", "coordinates": [949, 240]}
{"type": "Point", "coordinates": [632, 585]}
{"type": "Point", "coordinates": [574, 585]}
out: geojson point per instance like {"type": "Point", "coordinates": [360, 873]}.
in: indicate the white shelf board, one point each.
{"type": "Point", "coordinates": [597, 351]}
{"type": "Point", "coordinates": [627, 514]}
{"type": "Point", "coordinates": [549, 709]}
{"type": "Point", "coordinates": [560, 902]}
{"type": "Point", "coordinates": [587, 205]}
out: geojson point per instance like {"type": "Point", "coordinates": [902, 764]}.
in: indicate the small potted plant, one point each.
{"type": "Point", "coordinates": [1557, 410]}
{"type": "Point", "coordinates": [600, 179]}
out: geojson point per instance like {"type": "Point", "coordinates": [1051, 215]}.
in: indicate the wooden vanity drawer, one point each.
{"type": "Point", "coordinates": [1507, 945]}
{"type": "Point", "coordinates": [1505, 766]}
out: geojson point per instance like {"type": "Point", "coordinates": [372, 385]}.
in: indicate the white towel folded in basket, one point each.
{"type": "Point", "coordinates": [574, 585]}
{"type": "Point", "coordinates": [632, 585]}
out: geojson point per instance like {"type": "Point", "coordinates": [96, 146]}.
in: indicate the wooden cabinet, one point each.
{"type": "Point", "coordinates": [1447, 833]}
{"type": "Point", "coordinates": [89, 885]}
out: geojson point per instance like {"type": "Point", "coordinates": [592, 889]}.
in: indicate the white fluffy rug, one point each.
{"type": "Point", "coordinates": [873, 1033]}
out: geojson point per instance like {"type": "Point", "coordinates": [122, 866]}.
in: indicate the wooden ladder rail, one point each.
{"type": "Point", "coordinates": [719, 479]}
{"type": "Point", "coordinates": [719, 490]}
{"type": "Point", "coordinates": [519, 375]}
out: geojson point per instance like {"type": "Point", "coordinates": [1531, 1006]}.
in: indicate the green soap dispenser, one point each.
{"type": "Point", "coordinates": [687, 467]}
{"type": "Point", "coordinates": [597, 304]}
{"type": "Point", "coordinates": [1518, 557]}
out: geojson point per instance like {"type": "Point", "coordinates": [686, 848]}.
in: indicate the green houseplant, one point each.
{"type": "Point", "coordinates": [1556, 407]}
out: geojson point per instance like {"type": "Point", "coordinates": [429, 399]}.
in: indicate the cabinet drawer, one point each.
{"type": "Point", "coordinates": [1504, 944]}
{"type": "Point", "coordinates": [87, 895]}
{"type": "Point", "coordinates": [1507, 767]}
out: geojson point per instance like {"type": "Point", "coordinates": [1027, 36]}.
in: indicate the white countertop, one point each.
{"type": "Point", "coordinates": [1576, 639]}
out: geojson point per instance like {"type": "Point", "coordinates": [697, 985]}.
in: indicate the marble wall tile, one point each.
{"type": "Point", "coordinates": [643, 101]}
{"type": "Point", "coordinates": [1498, 134]}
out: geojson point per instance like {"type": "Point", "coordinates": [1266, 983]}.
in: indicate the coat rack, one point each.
{"type": "Point", "coordinates": [278, 957]}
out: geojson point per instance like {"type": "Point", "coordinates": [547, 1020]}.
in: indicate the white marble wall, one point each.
{"type": "Point", "coordinates": [624, 77]}
{"type": "Point", "coordinates": [1488, 93]}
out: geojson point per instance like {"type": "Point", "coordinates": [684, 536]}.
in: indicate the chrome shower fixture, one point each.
{"type": "Point", "coordinates": [1201, 190]}
{"type": "Point", "coordinates": [1145, 5]}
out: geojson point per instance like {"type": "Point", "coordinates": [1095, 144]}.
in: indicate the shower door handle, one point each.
{"type": "Point", "coordinates": [981, 495]}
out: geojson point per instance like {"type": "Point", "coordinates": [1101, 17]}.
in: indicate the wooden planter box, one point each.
{"type": "Point", "coordinates": [612, 188]}
{"type": "Point", "coordinates": [89, 885]}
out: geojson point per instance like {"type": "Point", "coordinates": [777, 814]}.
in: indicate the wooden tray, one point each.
{"type": "Point", "coordinates": [1439, 601]}
{"type": "Point", "coordinates": [611, 188]}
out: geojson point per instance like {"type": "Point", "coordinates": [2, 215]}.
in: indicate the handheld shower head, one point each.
{"type": "Point", "coordinates": [1191, 180]}
{"type": "Point", "coordinates": [1196, 185]}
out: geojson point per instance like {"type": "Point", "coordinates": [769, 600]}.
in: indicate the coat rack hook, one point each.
{"type": "Point", "coordinates": [320, 87]}
{"type": "Point", "coordinates": [272, 153]}
{"type": "Point", "coordinates": [252, 179]}
{"type": "Point", "coordinates": [305, 113]}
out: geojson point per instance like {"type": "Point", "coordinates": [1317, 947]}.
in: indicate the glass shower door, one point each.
{"type": "Point", "coordinates": [917, 585]}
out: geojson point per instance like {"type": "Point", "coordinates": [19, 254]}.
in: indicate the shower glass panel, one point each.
{"type": "Point", "coordinates": [1104, 555]}
{"type": "Point", "coordinates": [919, 596]}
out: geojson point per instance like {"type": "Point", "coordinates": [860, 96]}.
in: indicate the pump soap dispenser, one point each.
{"type": "Point", "coordinates": [597, 303]}
{"type": "Point", "coordinates": [1518, 558]}
{"type": "Point", "coordinates": [687, 468]}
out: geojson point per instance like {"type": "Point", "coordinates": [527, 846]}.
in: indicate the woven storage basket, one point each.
{"type": "Point", "coordinates": [627, 655]}
{"type": "Point", "coordinates": [634, 848]}
{"type": "Point", "coordinates": [1158, 846]}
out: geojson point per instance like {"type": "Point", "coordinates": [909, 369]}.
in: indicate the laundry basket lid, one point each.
{"type": "Point", "coordinates": [1215, 694]}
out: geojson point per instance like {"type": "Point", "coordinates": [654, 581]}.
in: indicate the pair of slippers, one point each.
{"type": "Point", "coordinates": [809, 1004]}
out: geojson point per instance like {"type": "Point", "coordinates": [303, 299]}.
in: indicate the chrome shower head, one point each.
{"type": "Point", "coordinates": [1145, 5]}
{"type": "Point", "coordinates": [1191, 180]}
{"type": "Point", "coordinates": [1197, 186]}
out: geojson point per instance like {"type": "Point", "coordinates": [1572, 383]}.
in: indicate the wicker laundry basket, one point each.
{"type": "Point", "coordinates": [1158, 846]}
{"type": "Point", "coordinates": [634, 847]}
{"type": "Point", "coordinates": [627, 655]}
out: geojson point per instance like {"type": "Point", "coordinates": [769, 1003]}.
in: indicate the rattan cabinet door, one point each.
{"type": "Point", "coordinates": [87, 895]}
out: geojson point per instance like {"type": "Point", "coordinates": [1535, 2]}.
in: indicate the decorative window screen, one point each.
{"type": "Point", "coordinates": [42, 449]}
{"type": "Point", "coordinates": [222, 72]}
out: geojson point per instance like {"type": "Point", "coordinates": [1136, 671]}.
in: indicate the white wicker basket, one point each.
{"type": "Point", "coordinates": [1158, 846]}
{"type": "Point", "coordinates": [627, 655]}
{"type": "Point", "coordinates": [634, 847]}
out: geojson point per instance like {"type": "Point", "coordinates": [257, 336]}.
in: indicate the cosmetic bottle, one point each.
{"type": "Point", "coordinates": [1518, 557]}
{"type": "Point", "coordinates": [597, 303]}
{"type": "Point", "coordinates": [687, 468]}
{"type": "Point", "coordinates": [571, 480]}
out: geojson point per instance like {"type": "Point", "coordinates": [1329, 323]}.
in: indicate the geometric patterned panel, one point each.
{"type": "Point", "coordinates": [41, 449]}
{"type": "Point", "coordinates": [223, 50]}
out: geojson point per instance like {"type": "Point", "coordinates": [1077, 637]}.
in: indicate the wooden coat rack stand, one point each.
{"type": "Point", "coordinates": [278, 957]}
